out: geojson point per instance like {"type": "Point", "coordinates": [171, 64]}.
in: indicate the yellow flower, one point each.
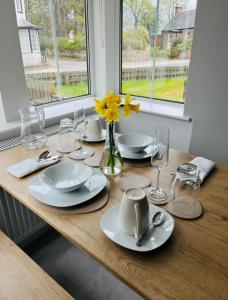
{"type": "Point", "coordinates": [112, 115]}
{"type": "Point", "coordinates": [126, 110]}
{"type": "Point", "coordinates": [100, 107]}
{"type": "Point", "coordinates": [134, 107]}
{"type": "Point", "coordinates": [112, 98]}
{"type": "Point", "coordinates": [128, 99]}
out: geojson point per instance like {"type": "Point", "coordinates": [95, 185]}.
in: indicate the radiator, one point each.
{"type": "Point", "coordinates": [17, 221]}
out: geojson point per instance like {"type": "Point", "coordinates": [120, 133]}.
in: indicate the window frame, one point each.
{"type": "Point", "coordinates": [88, 61]}
{"type": "Point", "coordinates": [120, 65]}
{"type": "Point", "coordinates": [19, 10]}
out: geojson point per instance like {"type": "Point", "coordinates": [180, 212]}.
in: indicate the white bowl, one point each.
{"type": "Point", "coordinates": [134, 142]}
{"type": "Point", "coordinates": [66, 177]}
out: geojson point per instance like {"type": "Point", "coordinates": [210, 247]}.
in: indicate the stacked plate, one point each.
{"type": "Point", "coordinates": [135, 146]}
{"type": "Point", "coordinates": [67, 184]}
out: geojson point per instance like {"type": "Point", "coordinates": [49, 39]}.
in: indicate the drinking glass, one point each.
{"type": "Point", "coordinates": [66, 136]}
{"type": "Point", "coordinates": [80, 130]}
{"type": "Point", "coordinates": [159, 160]}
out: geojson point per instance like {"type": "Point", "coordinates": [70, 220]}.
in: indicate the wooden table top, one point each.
{"type": "Point", "coordinates": [193, 264]}
{"type": "Point", "coordinates": [22, 278]}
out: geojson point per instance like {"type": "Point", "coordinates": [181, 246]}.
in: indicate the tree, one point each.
{"type": "Point", "coordinates": [69, 15]}
{"type": "Point", "coordinates": [168, 8]}
{"type": "Point", "coordinates": [138, 12]}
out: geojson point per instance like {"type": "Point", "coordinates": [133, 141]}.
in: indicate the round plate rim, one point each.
{"type": "Point", "coordinates": [125, 154]}
{"type": "Point", "coordinates": [95, 172]}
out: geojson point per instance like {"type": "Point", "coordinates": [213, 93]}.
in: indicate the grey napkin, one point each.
{"type": "Point", "coordinates": [29, 166]}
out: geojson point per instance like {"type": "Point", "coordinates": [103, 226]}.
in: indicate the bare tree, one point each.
{"type": "Point", "coordinates": [168, 8]}
{"type": "Point", "coordinates": [138, 11]}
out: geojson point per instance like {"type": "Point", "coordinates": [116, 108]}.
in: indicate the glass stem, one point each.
{"type": "Point", "coordinates": [157, 186]}
{"type": "Point", "coordinates": [81, 140]}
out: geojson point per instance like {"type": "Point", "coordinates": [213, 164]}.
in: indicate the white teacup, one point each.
{"type": "Point", "coordinates": [94, 129]}
{"type": "Point", "coordinates": [134, 212]}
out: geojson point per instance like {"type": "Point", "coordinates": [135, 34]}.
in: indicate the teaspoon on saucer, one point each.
{"type": "Point", "coordinates": [157, 220]}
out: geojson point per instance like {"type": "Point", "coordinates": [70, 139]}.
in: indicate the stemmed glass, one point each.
{"type": "Point", "coordinates": [159, 160]}
{"type": "Point", "coordinates": [80, 130]}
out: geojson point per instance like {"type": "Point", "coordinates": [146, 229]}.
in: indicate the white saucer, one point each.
{"type": "Point", "coordinates": [154, 239]}
{"type": "Point", "coordinates": [44, 193]}
{"type": "Point", "coordinates": [138, 155]}
{"type": "Point", "coordinates": [102, 138]}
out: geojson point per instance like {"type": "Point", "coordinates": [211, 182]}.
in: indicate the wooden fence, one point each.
{"type": "Point", "coordinates": [42, 86]}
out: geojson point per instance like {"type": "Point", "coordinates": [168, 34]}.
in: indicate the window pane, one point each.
{"type": "Point", "coordinates": [35, 40]}
{"type": "Point", "coordinates": [53, 37]}
{"type": "Point", "coordinates": [24, 40]}
{"type": "Point", "coordinates": [18, 5]}
{"type": "Point", "coordinates": [156, 47]}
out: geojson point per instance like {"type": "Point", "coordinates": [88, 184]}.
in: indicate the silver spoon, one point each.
{"type": "Point", "coordinates": [44, 155]}
{"type": "Point", "coordinates": [157, 219]}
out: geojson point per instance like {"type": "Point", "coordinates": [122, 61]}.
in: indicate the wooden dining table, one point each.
{"type": "Point", "coordinates": [192, 264]}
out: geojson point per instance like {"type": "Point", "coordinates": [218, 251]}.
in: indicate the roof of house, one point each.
{"type": "Point", "coordinates": [23, 23]}
{"type": "Point", "coordinates": [182, 20]}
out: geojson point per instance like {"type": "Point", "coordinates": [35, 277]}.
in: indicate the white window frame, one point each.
{"type": "Point", "coordinates": [103, 57]}
{"type": "Point", "coordinates": [19, 6]}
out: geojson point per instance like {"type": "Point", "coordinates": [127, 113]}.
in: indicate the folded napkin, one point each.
{"type": "Point", "coordinates": [205, 166]}
{"type": "Point", "coordinates": [29, 166]}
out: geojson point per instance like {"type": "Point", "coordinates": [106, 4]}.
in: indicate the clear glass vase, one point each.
{"type": "Point", "coordinates": [111, 162]}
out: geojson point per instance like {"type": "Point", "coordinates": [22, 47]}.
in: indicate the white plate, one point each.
{"type": "Point", "coordinates": [154, 239]}
{"type": "Point", "coordinates": [93, 186]}
{"type": "Point", "coordinates": [139, 155]}
{"type": "Point", "coordinates": [102, 138]}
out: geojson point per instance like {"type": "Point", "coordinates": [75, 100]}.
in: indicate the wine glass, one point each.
{"type": "Point", "coordinates": [159, 160]}
{"type": "Point", "coordinates": [80, 130]}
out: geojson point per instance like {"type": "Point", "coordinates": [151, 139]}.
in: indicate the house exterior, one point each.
{"type": "Point", "coordinates": [181, 26]}
{"type": "Point", "coordinates": [29, 37]}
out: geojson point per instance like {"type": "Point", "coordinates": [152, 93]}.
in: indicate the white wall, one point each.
{"type": "Point", "coordinates": [12, 81]}
{"type": "Point", "coordinates": [207, 102]}
{"type": "Point", "coordinates": [180, 130]}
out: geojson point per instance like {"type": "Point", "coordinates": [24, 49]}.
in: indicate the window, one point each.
{"type": "Point", "coordinates": [34, 36]}
{"type": "Point", "coordinates": [18, 6]}
{"type": "Point", "coordinates": [156, 42]}
{"type": "Point", "coordinates": [24, 40]}
{"type": "Point", "coordinates": [53, 37]}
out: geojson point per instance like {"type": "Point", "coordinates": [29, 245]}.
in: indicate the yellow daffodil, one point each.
{"type": "Point", "coordinates": [100, 107]}
{"type": "Point", "coordinates": [110, 105]}
{"type": "Point", "coordinates": [134, 107]}
{"type": "Point", "coordinates": [112, 115]}
{"type": "Point", "coordinates": [126, 110]}
{"type": "Point", "coordinates": [128, 99]}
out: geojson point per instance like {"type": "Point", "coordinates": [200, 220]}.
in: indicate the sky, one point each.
{"type": "Point", "coordinates": [189, 4]}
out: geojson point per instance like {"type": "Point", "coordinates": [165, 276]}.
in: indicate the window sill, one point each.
{"type": "Point", "coordinates": [163, 109]}
{"type": "Point", "coordinates": [53, 114]}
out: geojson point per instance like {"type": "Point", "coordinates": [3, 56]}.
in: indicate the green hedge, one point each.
{"type": "Point", "coordinates": [79, 43]}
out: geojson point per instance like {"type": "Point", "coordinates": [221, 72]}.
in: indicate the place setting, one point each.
{"type": "Point", "coordinates": [136, 224]}
{"type": "Point", "coordinates": [136, 148]}
{"type": "Point", "coordinates": [70, 187]}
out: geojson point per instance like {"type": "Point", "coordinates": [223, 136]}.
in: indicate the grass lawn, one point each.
{"type": "Point", "coordinates": [74, 90]}
{"type": "Point", "coordinates": [167, 89]}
